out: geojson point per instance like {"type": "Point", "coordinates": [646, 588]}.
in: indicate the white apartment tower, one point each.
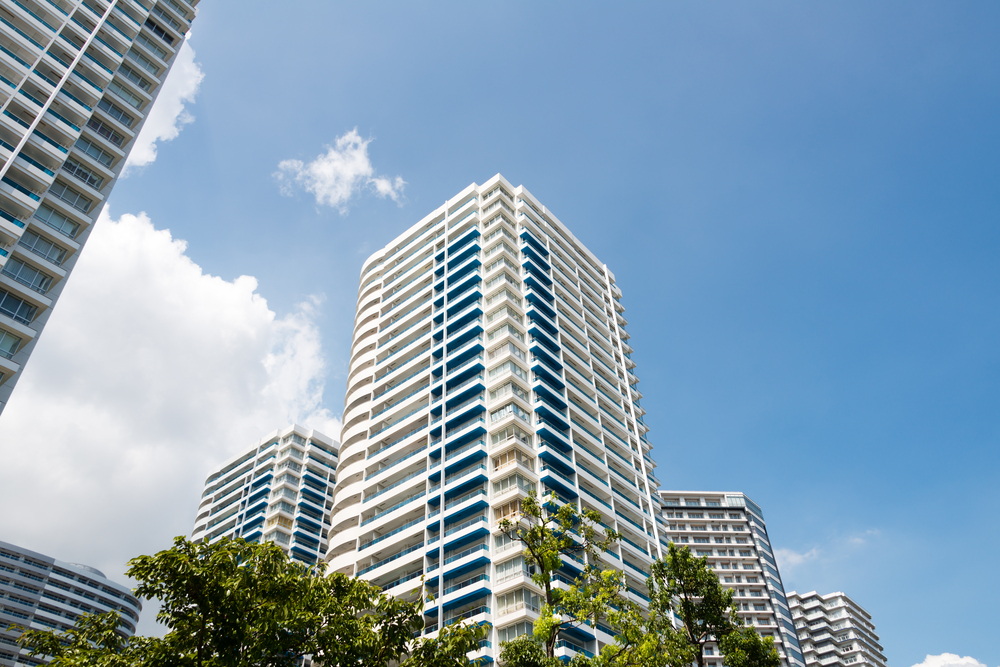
{"type": "Point", "coordinates": [835, 630]}
{"type": "Point", "coordinates": [77, 79]}
{"type": "Point", "coordinates": [41, 593]}
{"type": "Point", "coordinates": [490, 358]}
{"type": "Point", "coordinates": [279, 490]}
{"type": "Point", "coordinates": [728, 529]}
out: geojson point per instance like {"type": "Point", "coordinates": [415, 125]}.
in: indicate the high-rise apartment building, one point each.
{"type": "Point", "coordinates": [77, 79]}
{"type": "Point", "coordinates": [490, 358]}
{"type": "Point", "coordinates": [42, 593]}
{"type": "Point", "coordinates": [279, 490]}
{"type": "Point", "coordinates": [728, 529]}
{"type": "Point", "coordinates": [835, 630]}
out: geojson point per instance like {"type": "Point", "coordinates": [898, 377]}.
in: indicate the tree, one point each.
{"type": "Point", "coordinates": [237, 604]}
{"type": "Point", "coordinates": [685, 584]}
{"type": "Point", "coordinates": [547, 536]}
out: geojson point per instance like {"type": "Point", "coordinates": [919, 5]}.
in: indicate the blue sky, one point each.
{"type": "Point", "coordinates": [798, 200]}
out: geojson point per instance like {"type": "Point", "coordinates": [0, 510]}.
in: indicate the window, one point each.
{"type": "Point", "coordinates": [499, 231]}
{"type": "Point", "coordinates": [511, 569]}
{"type": "Point", "coordinates": [85, 174]}
{"type": "Point", "coordinates": [282, 521]}
{"type": "Point", "coordinates": [501, 246]}
{"type": "Point", "coordinates": [511, 432]}
{"type": "Point", "coordinates": [502, 261]}
{"type": "Point", "coordinates": [745, 553]}
{"type": "Point", "coordinates": [16, 308]}
{"type": "Point", "coordinates": [27, 275]}
{"type": "Point", "coordinates": [760, 607]}
{"type": "Point", "coordinates": [105, 130]}
{"type": "Point", "coordinates": [728, 580]}
{"type": "Point", "coordinates": [716, 516]}
{"type": "Point", "coordinates": [135, 77]}
{"type": "Point", "coordinates": [735, 516]}
{"type": "Point", "coordinates": [277, 536]}
{"type": "Point", "coordinates": [503, 543]}
{"type": "Point", "coordinates": [508, 347]}
{"type": "Point", "coordinates": [511, 367]}
{"type": "Point", "coordinates": [507, 510]}
{"type": "Point", "coordinates": [512, 457]}
{"type": "Point", "coordinates": [508, 603]}
{"type": "Point", "coordinates": [8, 344]}
{"type": "Point", "coordinates": [506, 328]}
{"type": "Point", "coordinates": [116, 112]}
{"type": "Point", "coordinates": [284, 492]}
{"type": "Point", "coordinates": [166, 17]}
{"type": "Point", "coordinates": [504, 294]}
{"type": "Point", "coordinates": [155, 48]}
{"type": "Point", "coordinates": [504, 277]}
{"type": "Point", "coordinates": [127, 95]}
{"type": "Point", "coordinates": [159, 32]}
{"type": "Point", "coordinates": [513, 481]}
{"type": "Point", "coordinates": [512, 632]}
{"type": "Point", "coordinates": [42, 247]}
{"type": "Point", "coordinates": [144, 62]}
{"type": "Point", "coordinates": [95, 151]}
{"type": "Point", "coordinates": [502, 312]}
{"type": "Point", "coordinates": [507, 410]}
{"type": "Point", "coordinates": [282, 506]}
{"type": "Point", "coordinates": [507, 389]}
{"type": "Point", "coordinates": [696, 515]}
{"type": "Point", "coordinates": [70, 196]}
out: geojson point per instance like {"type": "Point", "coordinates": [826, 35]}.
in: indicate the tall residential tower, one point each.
{"type": "Point", "coordinates": [77, 79]}
{"type": "Point", "coordinates": [490, 358]}
{"type": "Point", "coordinates": [728, 529]}
{"type": "Point", "coordinates": [42, 593]}
{"type": "Point", "coordinates": [835, 630]}
{"type": "Point", "coordinates": [278, 490]}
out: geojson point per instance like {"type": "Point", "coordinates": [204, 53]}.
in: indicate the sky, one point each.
{"type": "Point", "coordinates": [798, 200]}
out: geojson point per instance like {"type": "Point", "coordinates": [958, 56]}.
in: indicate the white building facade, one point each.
{"type": "Point", "coordinates": [77, 79]}
{"type": "Point", "coordinates": [728, 529]}
{"type": "Point", "coordinates": [835, 630]}
{"type": "Point", "coordinates": [490, 358]}
{"type": "Point", "coordinates": [279, 490]}
{"type": "Point", "coordinates": [41, 593]}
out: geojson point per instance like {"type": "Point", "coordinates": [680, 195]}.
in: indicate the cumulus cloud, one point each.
{"type": "Point", "coordinates": [788, 558]}
{"type": "Point", "coordinates": [949, 660]}
{"type": "Point", "coordinates": [337, 175]}
{"type": "Point", "coordinates": [149, 372]}
{"type": "Point", "coordinates": [169, 114]}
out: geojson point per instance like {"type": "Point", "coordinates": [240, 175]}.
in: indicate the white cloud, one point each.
{"type": "Point", "coordinates": [861, 539]}
{"type": "Point", "coordinates": [149, 372]}
{"type": "Point", "coordinates": [168, 115]}
{"type": "Point", "coordinates": [949, 660]}
{"type": "Point", "coordinates": [787, 558]}
{"type": "Point", "coordinates": [335, 176]}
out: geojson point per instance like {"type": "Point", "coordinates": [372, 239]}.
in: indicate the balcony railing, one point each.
{"type": "Point", "coordinates": [390, 559]}
{"type": "Point", "coordinates": [395, 484]}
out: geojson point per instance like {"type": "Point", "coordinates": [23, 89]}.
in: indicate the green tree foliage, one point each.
{"type": "Point", "coordinates": [683, 584]}
{"type": "Point", "coordinates": [237, 604]}
{"type": "Point", "coordinates": [679, 583]}
{"type": "Point", "coordinates": [547, 536]}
